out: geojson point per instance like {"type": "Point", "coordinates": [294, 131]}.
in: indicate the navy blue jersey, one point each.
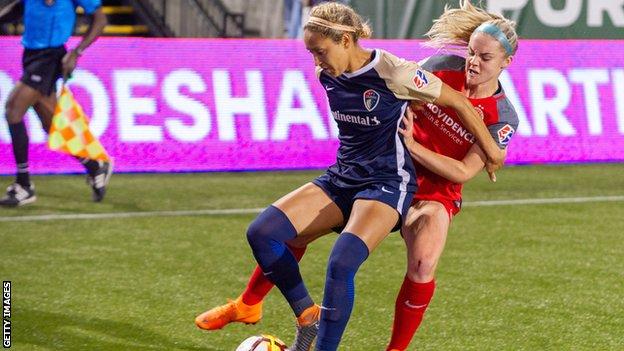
{"type": "Point", "coordinates": [367, 105]}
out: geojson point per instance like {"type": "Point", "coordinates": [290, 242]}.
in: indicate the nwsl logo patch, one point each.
{"type": "Point", "coordinates": [504, 134]}
{"type": "Point", "coordinates": [420, 79]}
{"type": "Point", "coordinates": [371, 99]}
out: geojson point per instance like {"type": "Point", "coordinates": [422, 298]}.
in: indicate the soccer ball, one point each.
{"type": "Point", "coordinates": [262, 343]}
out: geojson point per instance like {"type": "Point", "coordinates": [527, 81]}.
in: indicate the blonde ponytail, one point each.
{"type": "Point", "coordinates": [455, 26]}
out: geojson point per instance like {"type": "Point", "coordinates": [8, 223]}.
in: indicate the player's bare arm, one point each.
{"type": "Point", "coordinates": [469, 117]}
{"type": "Point", "coordinates": [96, 28]}
{"type": "Point", "coordinates": [457, 171]}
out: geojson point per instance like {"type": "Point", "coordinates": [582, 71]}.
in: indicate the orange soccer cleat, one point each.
{"type": "Point", "coordinates": [233, 311]}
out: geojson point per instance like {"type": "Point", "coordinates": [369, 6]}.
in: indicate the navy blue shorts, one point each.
{"type": "Point", "coordinates": [387, 192]}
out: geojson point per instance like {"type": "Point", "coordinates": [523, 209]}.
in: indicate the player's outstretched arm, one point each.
{"type": "Point", "coordinates": [469, 117]}
{"type": "Point", "coordinates": [12, 12]}
{"type": "Point", "coordinates": [457, 171]}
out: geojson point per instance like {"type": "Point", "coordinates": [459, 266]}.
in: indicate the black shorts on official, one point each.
{"type": "Point", "coordinates": [42, 68]}
{"type": "Point", "coordinates": [387, 192]}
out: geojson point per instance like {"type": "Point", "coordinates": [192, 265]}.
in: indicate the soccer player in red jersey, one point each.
{"type": "Point", "coordinates": [445, 153]}
{"type": "Point", "coordinates": [368, 191]}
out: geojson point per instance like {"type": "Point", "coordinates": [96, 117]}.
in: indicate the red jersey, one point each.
{"type": "Point", "coordinates": [440, 129]}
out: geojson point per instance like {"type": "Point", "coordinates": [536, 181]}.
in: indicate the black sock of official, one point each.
{"type": "Point", "coordinates": [23, 177]}
{"type": "Point", "coordinates": [19, 138]}
{"type": "Point", "coordinates": [90, 165]}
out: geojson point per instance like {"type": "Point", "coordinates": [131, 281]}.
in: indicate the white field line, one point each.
{"type": "Point", "coordinates": [238, 211]}
{"type": "Point", "coordinates": [109, 215]}
{"type": "Point", "coordinates": [553, 200]}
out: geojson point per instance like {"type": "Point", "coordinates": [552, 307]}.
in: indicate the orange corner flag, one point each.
{"type": "Point", "coordinates": [70, 132]}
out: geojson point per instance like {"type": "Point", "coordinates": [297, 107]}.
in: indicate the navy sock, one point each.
{"type": "Point", "coordinates": [348, 254]}
{"type": "Point", "coordinates": [267, 235]}
{"type": "Point", "coordinates": [19, 137]}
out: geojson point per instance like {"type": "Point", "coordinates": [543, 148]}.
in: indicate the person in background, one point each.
{"type": "Point", "coordinates": [48, 25]}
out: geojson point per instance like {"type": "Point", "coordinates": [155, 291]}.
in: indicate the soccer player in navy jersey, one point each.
{"type": "Point", "coordinates": [48, 25]}
{"type": "Point", "coordinates": [445, 153]}
{"type": "Point", "coordinates": [367, 191]}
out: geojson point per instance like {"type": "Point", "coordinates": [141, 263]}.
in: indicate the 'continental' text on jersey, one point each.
{"type": "Point", "coordinates": [365, 121]}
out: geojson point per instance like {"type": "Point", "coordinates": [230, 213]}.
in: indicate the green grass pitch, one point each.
{"type": "Point", "coordinates": [513, 277]}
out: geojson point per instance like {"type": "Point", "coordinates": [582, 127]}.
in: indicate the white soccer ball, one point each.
{"type": "Point", "coordinates": [262, 343]}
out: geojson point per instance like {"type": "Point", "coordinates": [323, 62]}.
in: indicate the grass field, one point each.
{"type": "Point", "coordinates": [513, 277]}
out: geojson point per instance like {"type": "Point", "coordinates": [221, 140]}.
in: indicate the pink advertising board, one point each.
{"type": "Point", "coordinates": [161, 105]}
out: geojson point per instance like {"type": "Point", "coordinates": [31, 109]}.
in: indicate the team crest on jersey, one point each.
{"type": "Point", "coordinates": [504, 134]}
{"type": "Point", "coordinates": [420, 79]}
{"type": "Point", "coordinates": [480, 109]}
{"type": "Point", "coordinates": [371, 99]}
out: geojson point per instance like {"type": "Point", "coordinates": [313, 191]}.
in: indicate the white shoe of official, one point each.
{"type": "Point", "coordinates": [18, 195]}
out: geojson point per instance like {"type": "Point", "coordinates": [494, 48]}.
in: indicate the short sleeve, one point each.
{"type": "Point", "coordinates": [507, 124]}
{"type": "Point", "coordinates": [407, 80]}
{"type": "Point", "coordinates": [89, 6]}
{"type": "Point", "coordinates": [443, 63]}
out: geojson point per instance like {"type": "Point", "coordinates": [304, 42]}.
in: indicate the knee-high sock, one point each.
{"type": "Point", "coordinates": [348, 254]}
{"type": "Point", "coordinates": [19, 137]}
{"type": "Point", "coordinates": [410, 306]}
{"type": "Point", "coordinates": [90, 165]}
{"type": "Point", "coordinates": [259, 286]}
{"type": "Point", "coordinates": [267, 236]}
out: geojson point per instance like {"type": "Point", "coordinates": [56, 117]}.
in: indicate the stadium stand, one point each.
{"type": "Point", "coordinates": [123, 20]}
{"type": "Point", "coordinates": [391, 19]}
{"type": "Point", "coordinates": [185, 18]}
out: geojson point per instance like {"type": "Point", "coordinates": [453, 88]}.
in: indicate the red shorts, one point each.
{"type": "Point", "coordinates": [452, 206]}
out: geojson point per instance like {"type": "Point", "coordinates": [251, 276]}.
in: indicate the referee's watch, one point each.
{"type": "Point", "coordinates": [78, 51]}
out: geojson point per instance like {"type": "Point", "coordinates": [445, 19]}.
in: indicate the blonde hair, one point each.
{"type": "Point", "coordinates": [455, 26]}
{"type": "Point", "coordinates": [342, 16]}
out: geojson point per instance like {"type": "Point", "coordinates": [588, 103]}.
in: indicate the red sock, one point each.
{"type": "Point", "coordinates": [259, 286]}
{"type": "Point", "coordinates": [409, 309]}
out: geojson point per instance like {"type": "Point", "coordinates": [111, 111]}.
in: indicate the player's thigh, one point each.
{"type": "Point", "coordinates": [45, 110]}
{"type": "Point", "coordinates": [310, 211]}
{"type": "Point", "coordinates": [20, 99]}
{"type": "Point", "coordinates": [425, 231]}
{"type": "Point", "coordinates": [371, 221]}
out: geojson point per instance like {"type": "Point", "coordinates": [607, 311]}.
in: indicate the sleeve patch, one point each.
{"type": "Point", "coordinates": [420, 79]}
{"type": "Point", "coordinates": [505, 134]}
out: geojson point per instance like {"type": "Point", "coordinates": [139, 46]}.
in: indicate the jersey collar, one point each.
{"type": "Point", "coordinates": [366, 68]}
